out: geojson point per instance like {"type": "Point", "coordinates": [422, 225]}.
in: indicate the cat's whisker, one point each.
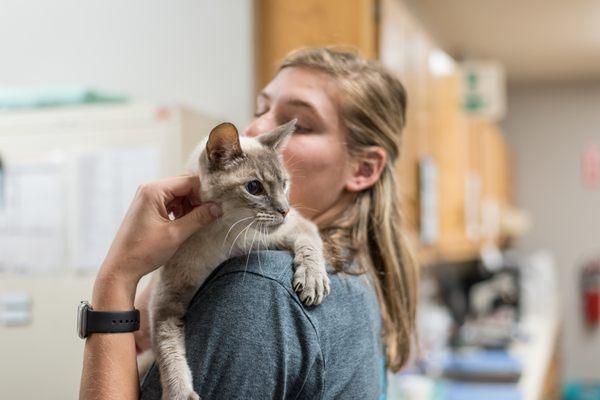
{"type": "Point", "coordinates": [294, 175]}
{"type": "Point", "coordinates": [246, 234]}
{"type": "Point", "coordinates": [231, 227]}
{"type": "Point", "coordinates": [261, 227]}
{"type": "Point", "coordinates": [264, 238]}
{"type": "Point", "coordinates": [248, 256]}
{"type": "Point", "coordinates": [302, 207]}
{"type": "Point", "coordinates": [292, 170]}
{"type": "Point", "coordinates": [292, 157]}
{"type": "Point", "coordinates": [291, 164]}
{"type": "Point", "coordinates": [238, 235]}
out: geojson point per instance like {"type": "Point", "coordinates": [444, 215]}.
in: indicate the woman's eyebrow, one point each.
{"type": "Point", "coordinates": [294, 102]}
{"type": "Point", "coordinates": [301, 103]}
{"type": "Point", "coordinates": [312, 110]}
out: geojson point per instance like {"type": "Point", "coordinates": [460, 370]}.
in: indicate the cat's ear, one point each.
{"type": "Point", "coordinates": [278, 137]}
{"type": "Point", "coordinates": [223, 145]}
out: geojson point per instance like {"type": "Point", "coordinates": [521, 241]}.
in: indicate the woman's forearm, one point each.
{"type": "Point", "coordinates": [109, 361]}
{"type": "Point", "coordinates": [146, 239]}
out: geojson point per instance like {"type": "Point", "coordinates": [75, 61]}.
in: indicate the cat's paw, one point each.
{"type": "Point", "coordinates": [311, 281]}
{"type": "Point", "coordinates": [180, 395]}
{"type": "Point", "coordinates": [193, 396]}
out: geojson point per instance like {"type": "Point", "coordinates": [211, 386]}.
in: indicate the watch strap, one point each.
{"type": "Point", "coordinates": [111, 321]}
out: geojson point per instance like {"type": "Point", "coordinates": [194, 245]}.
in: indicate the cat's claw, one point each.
{"type": "Point", "coordinates": [311, 283]}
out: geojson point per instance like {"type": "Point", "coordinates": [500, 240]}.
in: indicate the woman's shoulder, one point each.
{"type": "Point", "coordinates": [261, 282]}
{"type": "Point", "coordinates": [239, 321]}
{"type": "Point", "coordinates": [276, 265]}
{"type": "Point", "coordinates": [255, 284]}
{"type": "Point", "coordinates": [250, 274]}
{"type": "Point", "coordinates": [248, 307]}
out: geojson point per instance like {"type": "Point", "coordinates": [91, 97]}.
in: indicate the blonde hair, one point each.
{"type": "Point", "coordinates": [369, 233]}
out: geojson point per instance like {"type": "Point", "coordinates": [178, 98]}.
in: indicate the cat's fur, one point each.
{"type": "Point", "coordinates": [226, 163]}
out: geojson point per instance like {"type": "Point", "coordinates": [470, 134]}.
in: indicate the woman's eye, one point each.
{"type": "Point", "coordinates": [302, 129]}
{"type": "Point", "coordinates": [260, 112]}
{"type": "Point", "coordinates": [255, 188]}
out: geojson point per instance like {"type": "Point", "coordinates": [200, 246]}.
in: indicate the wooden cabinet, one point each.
{"type": "Point", "coordinates": [450, 149]}
{"type": "Point", "coordinates": [490, 161]}
{"type": "Point", "coordinates": [404, 49]}
{"type": "Point", "coordinates": [285, 25]}
{"type": "Point", "coordinates": [471, 156]}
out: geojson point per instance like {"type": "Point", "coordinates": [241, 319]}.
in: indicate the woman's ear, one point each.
{"type": "Point", "coordinates": [366, 169]}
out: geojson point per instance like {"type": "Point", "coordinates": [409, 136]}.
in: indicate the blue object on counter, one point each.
{"type": "Point", "coordinates": [492, 365]}
{"type": "Point", "coordinates": [479, 391]}
{"type": "Point", "coordinates": [15, 97]}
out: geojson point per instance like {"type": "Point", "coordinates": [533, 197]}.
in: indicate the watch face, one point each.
{"type": "Point", "coordinates": [81, 318]}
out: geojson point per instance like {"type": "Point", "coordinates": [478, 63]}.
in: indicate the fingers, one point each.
{"type": "Point", "coordinates": [178, 186]}
{"type": "Point", "coordinates": [198, 218]}
{"type": "Point", "coordinates": [179, 206]}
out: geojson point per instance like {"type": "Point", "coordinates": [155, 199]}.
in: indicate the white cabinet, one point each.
{"type": "Point", "coordinates": [69, 175]}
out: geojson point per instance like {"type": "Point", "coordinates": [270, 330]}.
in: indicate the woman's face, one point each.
{"type": "Point", "coordinates": [316, 155]}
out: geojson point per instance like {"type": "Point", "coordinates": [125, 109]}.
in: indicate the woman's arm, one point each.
{"type": "Point", "coordinates": [109, 362]}
{"type": "Point", "coordinates": [146, 239]}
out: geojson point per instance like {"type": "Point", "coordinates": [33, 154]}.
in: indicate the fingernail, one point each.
{"type": "Point", "coordinates": [215, 210]}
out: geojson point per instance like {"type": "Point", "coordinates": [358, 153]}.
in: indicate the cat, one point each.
{"type": "Point", "coordinates": [247, 178]}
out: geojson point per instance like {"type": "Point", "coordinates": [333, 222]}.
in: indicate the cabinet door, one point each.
{"type": "Point", "coordinates": [490, 160]}
{"type": "Point", "coordinates": [285, 25]}
{"type": "Point", "coordinates": [404, 49]}
{"type": "Point", "coordinates": [451, 150]}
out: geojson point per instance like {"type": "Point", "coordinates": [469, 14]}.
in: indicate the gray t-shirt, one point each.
{"type": "Point", "coordinates": [248, 336]}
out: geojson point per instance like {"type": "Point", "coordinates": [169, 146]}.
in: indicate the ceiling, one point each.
{"type": "Point", "coordinates": [536, 40]}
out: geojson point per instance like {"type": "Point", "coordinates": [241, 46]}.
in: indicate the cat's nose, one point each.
{"type": "Point", "coordinates": [283, 211]}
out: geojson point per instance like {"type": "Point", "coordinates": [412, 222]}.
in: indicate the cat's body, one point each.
{"type": "Point", "coordinates": [255, 217]}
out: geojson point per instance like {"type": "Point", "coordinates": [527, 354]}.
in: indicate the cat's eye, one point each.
{"type": "Point", "coordinates": [255, 188]}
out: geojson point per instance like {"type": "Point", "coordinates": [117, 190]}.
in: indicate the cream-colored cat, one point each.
{"type": "Point", "coordinates": [247, 178]}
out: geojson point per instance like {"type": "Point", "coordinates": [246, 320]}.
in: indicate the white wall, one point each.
{"type": "Point", "coordinates": [548, 127]}
{"type": "Point", "coordinates": [199, 52]}
{"type": "Point", "coordinates": [195, 52]}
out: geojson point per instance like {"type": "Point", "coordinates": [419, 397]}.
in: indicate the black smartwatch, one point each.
{"type": "Point", "coordinates": [90, 321]}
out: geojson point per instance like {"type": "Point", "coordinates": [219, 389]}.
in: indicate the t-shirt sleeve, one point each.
{"type": "Point", "coordinates": [247, 337]}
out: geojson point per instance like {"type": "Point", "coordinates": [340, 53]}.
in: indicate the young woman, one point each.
{"type": "Point", "coordinates": [247, 336]}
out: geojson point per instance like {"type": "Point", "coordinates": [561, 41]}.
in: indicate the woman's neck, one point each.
{"type": "Point", "coordinates": [332, 213]}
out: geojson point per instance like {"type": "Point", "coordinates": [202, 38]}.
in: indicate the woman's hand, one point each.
{"type": "Point", "coordinates": [148, 238]}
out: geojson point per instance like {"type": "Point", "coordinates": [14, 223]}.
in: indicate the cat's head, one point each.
{"type": "Point", "coordinates": [246, 175]}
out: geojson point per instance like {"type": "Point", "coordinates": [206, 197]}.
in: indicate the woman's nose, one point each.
{"type": "Point", "coordinates": [262, 124]}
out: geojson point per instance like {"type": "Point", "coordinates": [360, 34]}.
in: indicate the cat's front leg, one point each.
{"type": "Point", "coordinates": [168, 340]}
{"type": "Point", "coordinates": [310, 275]}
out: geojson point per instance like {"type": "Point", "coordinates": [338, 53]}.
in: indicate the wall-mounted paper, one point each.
{"type": "Point", "coordinates": [32, 221]}
{"type": "Point", "coordinates": [106, 183]}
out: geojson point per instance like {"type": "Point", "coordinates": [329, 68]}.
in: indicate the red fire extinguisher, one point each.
{"type": "Point", "coordinates": [590, 284]}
